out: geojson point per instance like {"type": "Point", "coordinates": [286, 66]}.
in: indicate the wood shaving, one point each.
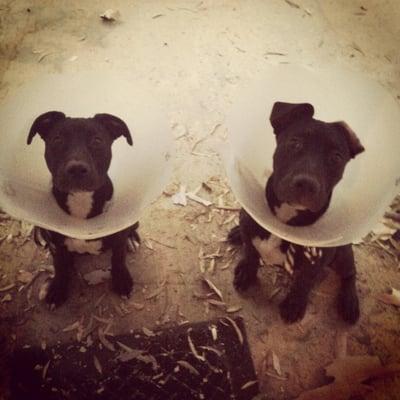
{"type": "Point", "coordinates": [97, 365]}
{"type": "Point", "coordinates": [248, 384]}
{"type": "Point", "coordinates": [110, 15]}
{"type": "Point", "coordinates": [137, 306]}
{"type": "Point", "coordinates": [124, 347]}
{"type": "Point", "coordinates": [217, 303]}
{"type": "Point", "coordinates": [214, 288]}
{"type": "Point", "coordinates": [148, 332]}
{"type": "Point", "coordinates": [72, 327]}
{"type": "Point", "coordinates": [179, 198]}
{"type": "Point", "coordinates": [193, 349]}
{"type": "Point", "coordinates": [104, 341]}
{"type": "Point", "coordinates": [393, 298]}
{"type": "Point", "coordinates": [8, 287]}
{"type": "Point", "coordinates": [237, 329]}
{"type": "Point", "coordinates": [276, 363]}
{"type": "Point", "coordinates": [188, 366]}
{"type": "Point", "coordinates": [233, 309]}
{"type": "Point", "coordinates": [45, 369]}
{"type": "Point", "coordinates": [156, 292]}
{"type": "Point", "coordinates": [214, 332]}
{"type": "Point", "coordinates": [198, 199]}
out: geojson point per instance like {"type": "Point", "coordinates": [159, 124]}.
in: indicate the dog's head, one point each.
{"type": "Point", "coordinates": [78, 150]}
{"type": "Point", "coordinates": [310, 156]}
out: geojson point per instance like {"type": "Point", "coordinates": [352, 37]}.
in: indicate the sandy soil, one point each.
{"type": "Point", "coordinates": [197, 53]}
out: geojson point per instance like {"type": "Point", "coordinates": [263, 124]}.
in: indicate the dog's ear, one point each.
{"type": "Point", "coordinates": [44, 123]}
{"type": "Point", "coordinates": [115, 126]}
{"type": "Point", "coordinates": [284, 114]}
{"type": "Point", "coordinates": [352, 140]}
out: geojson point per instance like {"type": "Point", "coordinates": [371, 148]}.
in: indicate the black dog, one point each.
{"type": "Point", "coordinates": [308, 162]}
{"type": "Point", "coordinates": [78, 155]}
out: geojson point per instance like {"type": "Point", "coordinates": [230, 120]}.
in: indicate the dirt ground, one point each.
{"type": "Point", "coordinates": [197, 53]}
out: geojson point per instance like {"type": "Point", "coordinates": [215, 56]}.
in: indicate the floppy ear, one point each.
{"type": "Point", "coordinates": [352, 140]}
{"type": "Point", "coordinates": [44, 123]}
{"type": "Point", "coordinates": [115, 126]}
{"type": "Point", "coordinates": [285, 114]}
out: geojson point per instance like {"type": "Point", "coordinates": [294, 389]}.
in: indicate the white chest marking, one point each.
{"type": "Point", "coordinates": [269, 250]}
{"type": "Point", "coordinates": [80, 204]}
{"type": "Point", "coordinates": [285, 212]}
{"type": "Point", "coordinates": [84, 246]}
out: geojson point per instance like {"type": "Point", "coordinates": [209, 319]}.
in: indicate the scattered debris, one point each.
{"type": "Point", "coordinates": [45, 369]}
{"type": "Point", "coordinates": [292, 4]}
{"type": "Point", "coordinates": [233, 309]}
{"type": "Point", "coordinates": [8, 287]}
{"type": "Point", "coordinates": [214, 288]}
{"type": "Point", "coordinates": [350, 374]}
{"type": "Point", "coordinates": [110, 15]}
{"type": "Point", "coordinates": [188, 366]}
{"type": "Point", "coordinates": [148, 332]}
{"type": "Point", "coordinates": [104, 341]}
{"type": "Point", "coordinates": [193, 348]}
{"type": "Point", "coordinates": [214, 332]}
{"type": "Point", "coordinates": [198, 199]}
{"type": "Point", "coordinates": [276, 363]}
{"type": "Point", "coordinates": [157, 16]}
{"type": "Point", "coordinates": [392, 298]}
{"type": "Point", "coordinates": [156, 292]}
{"type": "Point", "coordinates": [7, 298]}
{"type": "Point", "coordinates": [72, 327]}
{"type": "Point", "coordinates": [237, 329]}
{"type": "Point", "coordinates": [180, 197]}
{"type": "Point", "coordinates": [248, 384]}
{"type": "Point", "coordinates": [97, 365]}
{"type": "Point", "coordinates": [97, 276]}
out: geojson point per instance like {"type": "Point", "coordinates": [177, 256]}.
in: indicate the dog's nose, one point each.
{"type": "Point", "coordinates": [77, 169]}
{"type": "Point", "coordinates": [306, 185]}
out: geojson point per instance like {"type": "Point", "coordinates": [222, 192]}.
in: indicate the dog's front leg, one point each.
{"type": "Point", "coordinates": [348, 304]}
{"type": "Point", "coordinates": [121, 279]}
{"type": "Point", "coordinates": [246, 270]}
{"type": "Point", "coordinates": [58, 288]}
{"type": "Point", "coordinates": [294, 306]}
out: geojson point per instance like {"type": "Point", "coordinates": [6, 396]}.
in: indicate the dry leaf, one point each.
{"type": "Point", "coordinates": [349, 375]}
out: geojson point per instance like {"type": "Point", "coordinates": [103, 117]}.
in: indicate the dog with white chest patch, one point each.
{"type": "Point", "coordinates": [308, 162]}
{"type": "Point", "coordinates": [78, 155]}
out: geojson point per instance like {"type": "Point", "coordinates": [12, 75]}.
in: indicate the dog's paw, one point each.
{"type": "Point", "coordinates": [348, 305]}
{"type": "Point", "coordinates": [122, 282]}
{"type": "Point", "coordinates": [57, 293]}
{"type": "Point", "coordinates": [245, 276]}
{"type": "Point", "coordinates": [293, 308]}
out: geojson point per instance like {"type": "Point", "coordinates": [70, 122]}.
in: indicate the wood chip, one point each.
{"type": "Point", "coordinates": [214, 332]}
{"type": "Point", "coordinates": [155, 293]}
{"type": "Point", "coordinates": [217, 303]}
{"type": "Point", "coordinates": [148, 332]}
{"type": "Point", "coordinates": [72, 327]}
{"type": "Point", "coordinates": [393, 298]}
{"type": "Point", "coordinates": [214, 288]}
{"type": "Point", "coordinates": [188, 366]}
{"type": "Point", "coordinates": [248, 384]}
{"type": "Point", "coordinates": [193, 349]}
{"type": "Point", "coordinates": [233, 309]}
{"type": "Point", "coordinates": [45, 369]}
{"type": "Point", "coordinates": [198, 199]}
{"type": "Point", "coordinates": [179, 198]}
{"type": "Point", "coordinates": [237, 329]}
{"type": "Point", "coordinates": [276, 363]}
{"type": "Point", "coordinates": [110, 15]}
{"type": "Point", "coordinates": [104, 341]}
{"type": "Point", "coordinates": [97, 365]}
{"type": "Point", "coordinates": [8, 287]}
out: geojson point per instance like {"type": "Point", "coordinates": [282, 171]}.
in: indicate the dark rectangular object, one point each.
{"type": "Point", "coordinates": [207, 360]}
